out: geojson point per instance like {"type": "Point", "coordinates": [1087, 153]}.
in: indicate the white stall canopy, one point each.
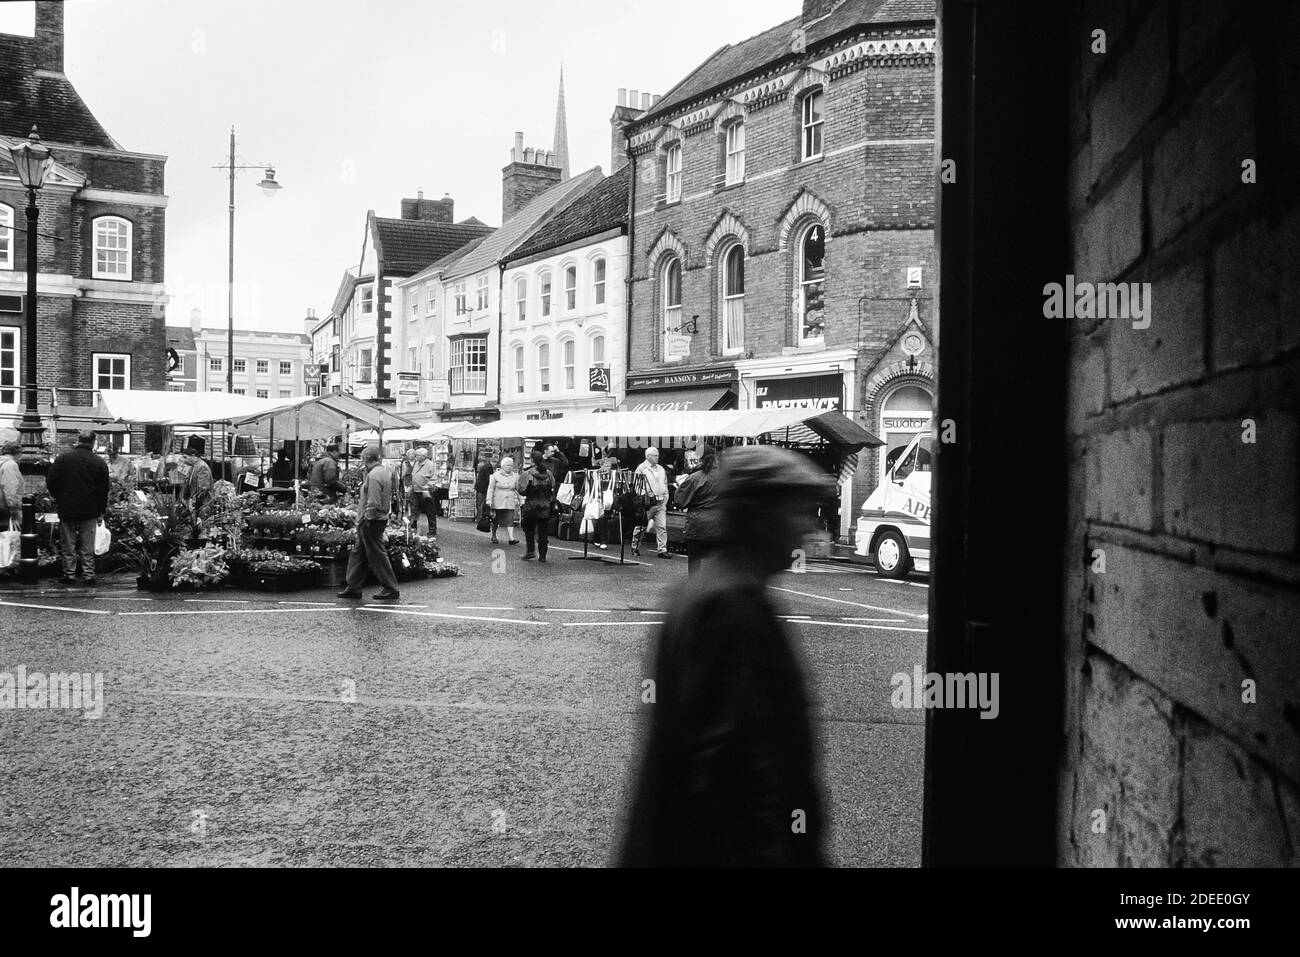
{"type": "Point", "coordinates": [425, 433]}
{"type": "Point", "coordinates": [147, 407]}
{"type": "Point", "coordinates": [319, 416]}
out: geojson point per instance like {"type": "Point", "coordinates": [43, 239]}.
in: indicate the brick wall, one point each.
{"type": "Point", "coordinates": [1200, 530]}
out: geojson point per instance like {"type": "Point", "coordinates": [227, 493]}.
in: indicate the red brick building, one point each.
{"type": "Point", "coordinates": [101, 321]}
{"type": "Point", "coordinates": [782, 231]}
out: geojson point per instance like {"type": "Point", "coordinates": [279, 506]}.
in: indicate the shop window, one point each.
{"type": "Point", "coordinates": [10, 340]}
{"type": "Point", "coordinates": [468, 372]}
{"type": "Point", "coordinates": [907, 413]}
{"type": "Point", "coordinates": [812, 273]}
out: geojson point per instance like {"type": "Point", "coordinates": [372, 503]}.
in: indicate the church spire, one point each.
{"type": "Point", "coordinates": [561, 145]}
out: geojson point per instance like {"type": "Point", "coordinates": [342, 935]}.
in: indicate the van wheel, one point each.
{"type": "Point", "coordinates": [892, 557]}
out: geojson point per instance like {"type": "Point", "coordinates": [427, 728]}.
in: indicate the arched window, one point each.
{"type": "Point", "coordinates": [6, 237]}
{"type": "Point", "coordinates": [811, 274]}
{"type": "Point", "coordinates": [673, 173]}
{"type": "Point", "coordinates": [521, 298]}
{"type": "Point", "coordinates": [598, 350]}
{"type": "Point", "coordinates": [545, 286]}
{"type": "Point", "coordinates": [598, 282]}
{"type": "Point", "coordinates": [811, 125]}
{"type": "Point", "coordinates": [519, 369]}
{"type": "Point", "coordinates": [544, 367]}
{"type": "Point", "coordinates": [906, 415]}
{"type": "Point", "coordinates": [570, 288]}
{"type": "Point", "coordinates": [112, 248]}
{"type": "Point", "coordinates": [569, 349]}
{"type": "Point", "coordinates": [733, 299]}
{"type": "Point", "coordinates": [672, 294]}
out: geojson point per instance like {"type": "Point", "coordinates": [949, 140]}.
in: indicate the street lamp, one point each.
{"type": "Point", "coordinates": [269, 187]}
{"type": "Point", "coordinates": [32, 161]}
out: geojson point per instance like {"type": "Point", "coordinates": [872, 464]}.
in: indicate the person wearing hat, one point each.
{"type": "Point", "coordinates": [698, 495]}
{"type": "Point", "coordinates": [120, 470]}
{"type": "Point", "coordinates": [729, 764]}
{"type": "Point", "coordinates": [369, 553]}
{"type": "Point", "coordinates": [424, 486]}
{"type": "Point", "coordinates": [324, 476]}
{"type": "Point", "coordinates": [78, 482]}
{"type": "Point", "coordinates": [11, 485]}
{"type": "Point", "coordinates": [198, 483]}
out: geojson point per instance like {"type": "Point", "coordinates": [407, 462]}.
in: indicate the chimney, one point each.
{"type": "Point", "coordinates": [310, 322]}
{"type": "Point", "coordinates": [816, 9]}
{"type": "Point", "coordinates": [529, 173]}
{"type": "Point", "coordinates": [49, 36]}
{"type": "Point", "coordinates": [196, 318]}
{"type": "Point", "coordinates": [628, 109]}
{"type": "Point", "coordinates": [428, 210]}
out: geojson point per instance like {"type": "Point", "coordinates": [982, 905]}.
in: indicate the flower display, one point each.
{"type": "Point", "coordinates": [199, 567]}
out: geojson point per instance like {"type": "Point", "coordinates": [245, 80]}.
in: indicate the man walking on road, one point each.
{"type": "Point", "coordinates": [728, 776]}
{"type": "Point", "coordinates": [369, 553]}
{"type": "Point", "coordinates": [657, 480]}
{"type": "Point", "coordinates": [424, 488]}
{"type": "Point", "coordinates": [78, 481]}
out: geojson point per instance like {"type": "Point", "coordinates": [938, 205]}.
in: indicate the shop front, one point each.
{"type": "Point", "coordinates": [704, 390]}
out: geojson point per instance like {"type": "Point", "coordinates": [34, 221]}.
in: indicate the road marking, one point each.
{"type": "Point", "coordinates": [597, 553]}
{"type": "Point", "coordinates": [79, 611]}
{"type": "Point", "coordinates": [231, 611]}
{"type": "Point", "coordinates": [587, 611]}
{"type": "Point", "coordinates": [330, 603]}
{"type": "Point", "coordinates": [846, 618]}
{"type": "Point", "coordinates": [125, 599]}
{"type": "Point", "coordinates": [654, 612]}
{"type": "Point", "coordinates": [845, 601]}
{"type": "Point", "coordinates": [434, 614]}
{"type": "Point", "coordinates": [588, 624]}
{"type": "Point", "coordinates": [845, 624]}
{"type": "Point", "coordinates": [793, 617]}
{"type": "Point", "coordinates": [485, 607]}
{"type": "Point", "coordinates": [217, 601]}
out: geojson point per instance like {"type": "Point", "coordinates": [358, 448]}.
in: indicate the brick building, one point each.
{"type": "Point", "coordinates": [100, 308]}
{"type": "Point", "coordinates": [783, 217]}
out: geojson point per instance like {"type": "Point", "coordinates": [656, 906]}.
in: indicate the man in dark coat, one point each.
{"type": "Point", "coordinates": [78, 482]}
{"type": "Point", "coordinates": [728, 775]}
{"type": "Point", "coordinates": [324, 476]}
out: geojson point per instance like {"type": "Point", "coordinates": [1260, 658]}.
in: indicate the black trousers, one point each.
{"type": "Point", "coordinates": [428, 506]}
{"type": "Point", "coordinates": [369, 554]}
{"type": "Point", "coordinates": [536, 532]}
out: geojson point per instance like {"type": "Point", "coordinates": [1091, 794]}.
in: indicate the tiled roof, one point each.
{"type": "Point", "coordinates": [520, 227]}
{"type": "Point", "coordinates": [49, 101]}
{"type": "Point", "coordinates": [408, 245]}
{"type": "Point", "coordinates": [749, 56]}
{"type": "Point", "coordinates": [344, 292]}
{"type": "Point", "coordinates": [181, 337]}
{"type": "Point", "coordinates": [601, 208]}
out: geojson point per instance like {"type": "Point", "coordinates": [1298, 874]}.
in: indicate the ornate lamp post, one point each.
{"type": "Point", "coordinates": [32, 160]}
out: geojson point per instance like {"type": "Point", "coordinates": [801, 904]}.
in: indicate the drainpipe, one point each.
{"type": "Point", "coordinates": [631, 248]}
{"type": "Point", "coordinates": [501, 299]}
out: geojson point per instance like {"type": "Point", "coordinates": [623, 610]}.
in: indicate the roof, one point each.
{"type": "Point", "coordinates": [182, 336]}
{"type": "Point", "coordinates": [442, 264]}
{"type": "Point", "coordinates": [520, 227]}
{"type": "Point", "coordinates": [49, 101]}
{"type": "Point", "coordinates": [734, 61]}
{"type": "Point", "coordinates": [408, 245]}
{"type": "Point", "coordinates": [344, 292]}
{"type": "Point", "coordinates": [599, 209]}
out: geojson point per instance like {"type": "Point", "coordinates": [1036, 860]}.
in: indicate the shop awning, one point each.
{"type": "Point", "coordinates": [680, 400]}
{"type": "Point", "coordinates": [319, 416]}
{"type": "Point", "coordinates": [153, 407]}
{"type": "Point", "coordinates": [424, 433]}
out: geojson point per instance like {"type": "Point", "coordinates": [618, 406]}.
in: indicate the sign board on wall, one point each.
{"type": "Point", "coordinates": [676, 345]}
{"type": "Point", "coordinates": [674, 379]}
{"type": "Point", "coordinates": [820, 392]}
{"type": "Point", "coordinates": [598, 380]}
{"type": "Point", "coordinates": [408, 383]}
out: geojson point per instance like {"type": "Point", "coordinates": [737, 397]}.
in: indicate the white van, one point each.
{"type": "Point", "coordinates": [894, 528]}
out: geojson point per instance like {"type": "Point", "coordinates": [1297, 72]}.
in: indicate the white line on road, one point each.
{"type": "Point", "coordinates": [846, 618]}
{"type": "Point", "coordinates": [793, 617]}
{"type": "Point", "coordinates": [79, 611]}
{"type": "Point", "coordinates": [597, 553]}
{"type": "Point", "coordinates": [579, 611]}
{"type": "Point", "coordinates": [218, 601]}
{"type": "Point", "coordinates": [124, 599]}
{"type": "Point", "coordinates": [588, 624]}
{"type": "Point", "coordinates": [330, 603]}
{"type": "Point", "coordinates": [485, 607]}
{"type": "Point", "coordinates": [434, 614]}
{"type": "Point", "coordinates": [845, 624]}
{"type": "Point", "coordinates": [654, 612]}
{"type": "Point", "coordinates": [229, 611]}
{"type": "Point", "coordinates": [845, 601]}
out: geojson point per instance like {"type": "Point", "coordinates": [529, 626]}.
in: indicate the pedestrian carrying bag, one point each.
{"type": "Point", "coordinates": [10, 545]}
{"type": "Point", "coordinates": [484, 520]}
{"type": "Point", "coordinates": [103, 539]}
{"type": "Point", "coordinates": [565, 494]}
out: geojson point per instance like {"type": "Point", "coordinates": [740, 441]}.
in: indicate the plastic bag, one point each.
{"type": "Point", "coordinates": [565, 493]}
{"type": "Point", "coordinates": [10, 546]}
{"type": "Point", "coordinates": [103, 539]}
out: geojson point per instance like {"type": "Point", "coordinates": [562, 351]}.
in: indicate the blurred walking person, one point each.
{"type": "Point", "coordinates": [698, 494]}
{"type": "Point", "coordinates": [503, 499]}
{"type": "Point", "coordinates": [482, 476]}
{"type": "Point", "coordinates": [728, 775]}
{"type": "Point", "coordinates": [369, 553]}
{"type": "Point", "coordinates": [11, 485]}
{"type": "Point", "coordinates": [537, 486]}
{"type": "Point", "coordinates": [78, 481]}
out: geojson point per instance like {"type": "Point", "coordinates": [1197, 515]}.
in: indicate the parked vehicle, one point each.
{"type": "Point", "coordinates": [894, 528]}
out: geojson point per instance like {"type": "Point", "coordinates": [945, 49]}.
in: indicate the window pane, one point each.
{"type": "Point", "coordinates": [673, 284]}
{"type": "Point", "coordinates": [598, 350]}
{"type": "Point", "coordinates": [735, 272]}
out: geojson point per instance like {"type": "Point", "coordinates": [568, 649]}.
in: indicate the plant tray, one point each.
{"type": "Point", "coordinates": [283, 581]}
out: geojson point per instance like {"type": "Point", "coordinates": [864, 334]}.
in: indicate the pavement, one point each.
{"type": "Point", "coordinates": [490, 719]}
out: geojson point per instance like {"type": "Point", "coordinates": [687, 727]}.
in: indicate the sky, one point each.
{"type": "Point", "coordinates": [357, 105]}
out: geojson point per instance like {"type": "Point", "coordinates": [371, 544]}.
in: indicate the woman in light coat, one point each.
{"type": "Point", "coordinates": [503, 499]}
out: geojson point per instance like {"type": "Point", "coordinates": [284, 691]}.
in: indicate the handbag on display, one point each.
{"type": "Point", "coordinates": [565, 493]}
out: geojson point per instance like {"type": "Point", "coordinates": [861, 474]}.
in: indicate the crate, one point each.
{"type": "Point", "coordinates": [283, 581]}
{"type": "Point", "coordinates": [333, 570]}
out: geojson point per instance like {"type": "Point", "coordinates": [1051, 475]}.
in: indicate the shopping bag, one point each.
{"type": "Point", "coordinates": [484, 520]}
{"type": "Point", "coordinates": [565, 493]}
{"type": "Point", "coordinates": [103, 539]}
{"type": "Point", "coordinates": [10, 546]}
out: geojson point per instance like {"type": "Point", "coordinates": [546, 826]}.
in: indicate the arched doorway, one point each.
{"type": "Point", "coordinates": [908, 410]}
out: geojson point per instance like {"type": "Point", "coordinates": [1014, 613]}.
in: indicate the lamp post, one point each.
{"type": "Point", "coordinates": [269, 186]}
{"type": "Point", "coordinates": [32, 161]}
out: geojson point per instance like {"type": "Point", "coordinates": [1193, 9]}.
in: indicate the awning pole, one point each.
{"type": "Point", "coordinates": [297, 430]}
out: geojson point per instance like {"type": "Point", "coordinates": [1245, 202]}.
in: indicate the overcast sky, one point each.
{"type": "Point", "coordinates": [357, 105]}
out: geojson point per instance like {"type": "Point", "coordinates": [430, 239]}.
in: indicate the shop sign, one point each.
{"type": "Point", "coordinates": [598, 380]}
{"type": "Point", "coordinates": [892, 422]}
{"type": "Point", "coordinates": [408, 383]}
{"type": "Point", "coordinates": [544, 414]}
{"type": "Point", "coordinates": [672, 379]}
{"type": "Point", "coordinates": [676, 345]}
{"type": "Point", "coordinates": [817, 392]}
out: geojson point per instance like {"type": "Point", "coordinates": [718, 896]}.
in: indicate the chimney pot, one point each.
{"type": "Point", "coordinates": [654, 101]}
{"type": "Point", "coordinates": [517, 154]}
{"type": "Point", "coordinates": [622, 96]}
{"type": "Point", "coordinates": [645, 101]}
{"type": "Point", "coordinates": [633, 97]}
